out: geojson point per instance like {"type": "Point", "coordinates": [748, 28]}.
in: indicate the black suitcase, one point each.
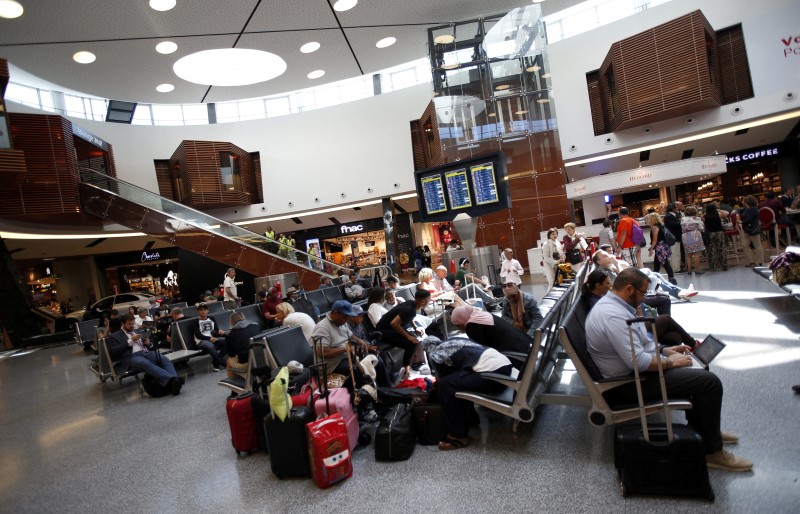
{"type": "Point", "coordinates": [261, 412]}
{"type": "Point", "coordinates": [429, 424]}
{"type": "Point", "coordinates": [287, 443]}
{"type": "Point", "coordinates": [392, 357]}
{"type": "Point", "coordinates": [649, 461]}
{"type": "Point", "coordinates": [395, 437]}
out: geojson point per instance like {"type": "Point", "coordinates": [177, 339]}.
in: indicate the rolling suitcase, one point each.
{"type": "Point", "coordinates": [329, 450]}
{"type": "Point", "coordinates": [660, 459]}
{"type": "Point", "coordinates": [244, 434]}
{"type": "Point", "coordinates": [429, 423]}
{"type": "Point", "coordinates": [261, 411]}
{"type": "Point", "coordinates": [394, 437]}
{"type": "Point", "coordinates": [287, 443]}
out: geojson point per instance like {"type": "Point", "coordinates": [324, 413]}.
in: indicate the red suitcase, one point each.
{"type": "Point", "coordinates": [244, 433]}
{"type": "Point", "coordinates": [328, 450]}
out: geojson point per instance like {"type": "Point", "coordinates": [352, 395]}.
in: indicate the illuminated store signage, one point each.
{"type": "Point", "coordinates": [88, 136]}
{"type": "Point", "coordinates": [749, 155]}
{"type": "Point", "coordinates": [147, 257]}
{"type": "Point", "coordinates": [350, 229]}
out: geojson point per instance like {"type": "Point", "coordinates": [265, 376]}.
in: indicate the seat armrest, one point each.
{"type": "Point", "coordinates": [498, 377]}
{"type": "Point", "coordinates": [624, 378]}
{"type": "Point", "coordinates": [517, 356]}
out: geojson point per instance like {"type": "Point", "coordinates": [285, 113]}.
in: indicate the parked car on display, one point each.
{"type": "Point", "coordinates": [121, 302]}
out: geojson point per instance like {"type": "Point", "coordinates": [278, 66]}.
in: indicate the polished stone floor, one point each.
{"type": "Point", "coordinates": [70, 444]}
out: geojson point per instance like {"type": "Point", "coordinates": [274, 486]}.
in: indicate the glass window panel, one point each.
{"type": "Point", "coordinates": [167, 115]}
{"type": "Point", "coordinates": [306, 100]}
{"type": "Point", "coordinates": [278, 106]}
{"type": "Point", "coordinates": [46, 99]}
{"type": "Point", "coordinates": [22, 94]}
{"type": "Point", "coordinates": [403, 79]}
{"type": "Point", "coordinates": [252, 110]}
{"type": "Point", "coordinates": [506, 77]}
{"type": "Point", "coordinates": [99, 109]}
{"type": "Point", "coordinates": [195, 114]}
{"type": "Point", "coordinates": [142, 115]}
{"type": "Point", "coordinates": [613, 10]}
{"type": "Point", "coordinates": [74, 106]}
{"type": "Point", "coordinates": [327, 96]}
{"type": "Point", "coordinates": [579, 22]}
{"type": "Point", "coordinates": [227, 112]}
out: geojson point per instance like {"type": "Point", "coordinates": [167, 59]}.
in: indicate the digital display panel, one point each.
{"type": "Point", "coordinates": [484, 183]}
{"type": "Point", "coordinates": [458, 189]}
{"type": "Point", "coordinates": [433, 193]}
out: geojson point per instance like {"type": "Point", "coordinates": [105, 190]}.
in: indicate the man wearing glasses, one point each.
{"type": "Point", "coordinates": [609, 345]}
{"type": "Point", "coordinates": [520, 309]}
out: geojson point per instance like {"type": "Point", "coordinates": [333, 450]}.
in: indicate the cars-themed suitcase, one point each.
{"type": "Point", "coordinates": [329, 450]}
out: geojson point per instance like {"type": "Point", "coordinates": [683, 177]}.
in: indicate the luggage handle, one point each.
{"type": "Point", "coordinates": [319, 360]}
{"type": "Point", "coordinates": [356, 396]}
{"type": "Point", "coordinates": [639, 394]}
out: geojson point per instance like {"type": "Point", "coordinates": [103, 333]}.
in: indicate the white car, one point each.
{"type": "Point", "coordinates": [121, 302]}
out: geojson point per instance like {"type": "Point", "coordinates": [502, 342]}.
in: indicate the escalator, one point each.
{"type": "Point", "coordinates": [138, 209]}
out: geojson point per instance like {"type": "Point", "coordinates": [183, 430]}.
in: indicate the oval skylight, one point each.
{"type": "Point", "coordinates": [162, 5]}
{"type": "Point", "coordinates": [165, 88]}
{"type": "Point", "coordinates": [311, 46]}
{"type": "Point", "coordinates": [344, 5]}
{"type": "Point", "coordinates": [84, 57]}
{"type": "Point", "coordinates": [10, 9]}
{"type": "Point", "coordinates": [166, 47]}
{"type": "Point", "coordinates": [316, 74]}
{"type": "Point", "coordinates": [387, 41]}
{"type": "Point", "coordinates": [229, 67]}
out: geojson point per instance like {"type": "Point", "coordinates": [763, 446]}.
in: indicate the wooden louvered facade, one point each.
{"type": "Point", "coordinates": [193, 175]}
{"type": "Point", "coordinates": [677, 68]}
{"type": "Point", "coordinates": [425, 142]}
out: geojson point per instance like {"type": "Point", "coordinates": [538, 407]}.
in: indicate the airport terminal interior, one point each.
{"type": "Point", "coordinates": [142, 159]}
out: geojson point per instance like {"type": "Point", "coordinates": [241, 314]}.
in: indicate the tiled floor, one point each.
{"type": "Point", "coordinates": [70, 444]}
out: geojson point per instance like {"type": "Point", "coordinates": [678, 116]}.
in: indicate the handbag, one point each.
{"type": "Point", "coordinates": [574, 256]}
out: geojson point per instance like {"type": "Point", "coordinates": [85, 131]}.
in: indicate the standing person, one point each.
{"type": "Point", "coordinates": [426, 256]}
{"type": "Point", "coordinates": [552, 256]}
{"type": "Point", "coordinates": [630, 251]}
{"type": "Point", "coordinates": [751, 228]}
{"type": "Point", "coordinates": [270, 235]}
{"type": "Point", "coordinates": [229, 287]}
{"type": "Point", "coordinates": [418, 258]}
{"type": "Point", "coordinates": [693, 227]}
{"type": "Point", "coordinates": [291, 242]}
{"type": "Point", "coordinates": [658, 246]}
{"type": "Point", "coordinates": [672, 222]}
{"type": "Point", "coordinates": [575, 246]}
{"type": "Point", "coordinates": [716, 238]}
{"type": "Point", "coordinates": [606, 236]}
{"type": "Point", "coordinates": [511, 269]}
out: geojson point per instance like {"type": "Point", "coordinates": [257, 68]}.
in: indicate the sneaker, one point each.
{"type": "Point", "coordinates": [727, 461]}
{"type": "Point", "coordinates": [673, 281]}
{"type": "Point", "coordinates": [796, 389]}
{"type": "Point", "coordinates": [214, 368]}
{"type": "Point", "coordinates": [728, 438]}
{"type": "Point", "coordinates": [424, 370]}
{"type": "Point", "coordinates": [686, 294]}
{"type": "Point", "coordinates": [175, 385]}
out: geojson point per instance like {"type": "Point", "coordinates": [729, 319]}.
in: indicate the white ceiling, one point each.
{"type": "Point", "coordinates": [123, 34]}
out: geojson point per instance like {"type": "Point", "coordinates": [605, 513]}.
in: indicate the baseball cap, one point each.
{"type": "Point", "coordinates": [358, 310]}
{"type": "Point", "coordinates": [344, 307]}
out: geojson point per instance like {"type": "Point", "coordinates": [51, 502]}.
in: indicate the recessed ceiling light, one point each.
{"type": "Point", "coordinates": [451, 66]}
{"type": "Point", "coordinates": [309, 47]}
{"type": "Point", "coordinates": [546, 76]}
{"type": "Point", "coordinates": [543, 100]}
{"type": "Point", "coordinates": [84, 57]}
{"type": "Point", "coordinates": [316, 74]}
{"type": "Point", "coordinates": [491, 115]}
{"type": "Point", "coordinates": [387, 41]}
{"type": "Point", "coordinates": [166, 47]}
{"type": "Point", "coordinates": [521, 112]}
{"type": "Point", "coordinates": [502, 87]}
{"type": "Point", "coordinates": [162, 5]}
{"type": "Point", "coordinates": [241, 67]}
{"type": "Point", "coordinates": [10, 9]}
{"type": "Point", "coordinates": [533, 68]}
{"type": "Point", "coordinates": [344, 5]}
{"type": "Point", "coordinates": [444, 39]}
{"type": "Point", "coordinates": [164, 88]}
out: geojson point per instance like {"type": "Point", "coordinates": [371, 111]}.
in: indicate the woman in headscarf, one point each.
{"type": "Point", "coordinates": [459, 363]}
{"type": "Point", "coordinates": [489, 330]}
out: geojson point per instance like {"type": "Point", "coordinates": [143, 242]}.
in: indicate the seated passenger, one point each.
{"type": "Point", "coordinates": [237, 343]}
{"type": "Point", "coordinates": [352, 289]}
{"type": "Point", "coordinates": [176, 314]}
{"type": "Point", "coordinates": [608, 343]}
{"type": "Point", "coordinates": [375, 305]}
{"type": "Point", "coordinates": [607, 261]}
{"type": "Point", "coordinates": [489, 330]}
{"type": "Point", "coordinates": [208, 338]}
{"type": "Point", "coordinates": [391, 300]}
{"type": "Point", "coordinates": [597, 284]}
{"type": "Point", "coordinates": [459, 363]}
{"type": "Point", "coordinates": [288, 317]}
{"type": "Point", "coordinates": [325, 281]}
{"type": "Point", "coordinates": [521, 309]}
{"type": "Point", "coordinates": [440, 281]}
{"type": "Point", "coordinates": [333, 333]}
{"type": "Point", "coordinates": [269, 300]}
{"type": "Point", "coordinates": [425, 276]}
{"type": "Point", "coordinates": [134, 351]}
{"type": "Point", "coordinates": [395, 325]}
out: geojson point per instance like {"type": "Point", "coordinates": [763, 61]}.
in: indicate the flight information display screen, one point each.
{"type": "Point", "coordinates": [458, 189]}
{"type": "Point", "coordinates": [485, 184]}
{"type": "Point", "coordinates": [433, 192]}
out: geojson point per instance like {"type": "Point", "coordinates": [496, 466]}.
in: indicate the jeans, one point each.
{"type": "Point", "coordinates": [148, 362]}
{"type": "Point", "coordinates": [657, 279]}
{"type": "Point", "coordinates": [211, 349]}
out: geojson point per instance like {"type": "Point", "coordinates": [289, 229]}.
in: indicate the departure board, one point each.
{"type": "Point", "coordinates": [484, 183]}
{"type": "Point", "coordinates": [458, 189]}
{"type": "Point", "coordinates": [433, 192]}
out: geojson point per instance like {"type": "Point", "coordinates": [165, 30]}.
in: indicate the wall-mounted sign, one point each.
{"type": "Point", "coordinates": [351, 229]}
{"type": "Point", "coordinates": [88, 136]}
{"type": "Point", "coordinates": [147, 257]}
{"type": "Point", "coordinates": [751, 155]}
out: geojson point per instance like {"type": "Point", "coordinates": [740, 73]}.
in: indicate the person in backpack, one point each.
{"type": "Point", "coordinates": [630, 251]}
{"type": "Point", "coordinates": [659, 246]}
{"type": "Point", "coordinates": [672, 222]}
{"type": "Point", "coordinates": [751, 228]}
{"type": "Point", "coordinates": [607, 340]}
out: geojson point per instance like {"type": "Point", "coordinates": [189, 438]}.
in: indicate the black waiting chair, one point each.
{"type": "Point", "coordinates": [215, 307]}
{"type": "Point", "coordinates": [253, 313]}
{"type": "Point", "coordinates": [318, 300]}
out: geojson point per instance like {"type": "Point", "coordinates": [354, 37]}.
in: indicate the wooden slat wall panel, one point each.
{"type": "Point", "coordinates": [736, 83]}
{"type": "Point", "coordinates": [164, 179]}
{"type": "Point", "coordinates": [4, 77]}
{"type": "Point", "coordinates": [417, 149]}
{"type": "Point", "coordinates": [596, 102]}
{"type": "Point", "coordinates": [426, 145]}
{"type": "Point", "coordinates": [256, 159]}
{"type": "Point", "coordinates": [50, 185]}
{"type": "Point", "coordinates": [12, 167]}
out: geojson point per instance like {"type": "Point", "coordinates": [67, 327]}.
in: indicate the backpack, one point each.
{"type": "Point", "coordinates": [637, 235]}
{"type": "Point", "coordinates": [669, 237]}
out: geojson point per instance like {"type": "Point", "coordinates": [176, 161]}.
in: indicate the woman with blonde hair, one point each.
{"type": "Point", "coordinates": [659, 246]}
{"type": "Point", "coordinates": [426, 281]}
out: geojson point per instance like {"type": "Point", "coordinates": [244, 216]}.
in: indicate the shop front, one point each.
{"type": "Point", "coordinates": [149, 271]}
{"type": "Point", "coordinates": [356, 244]}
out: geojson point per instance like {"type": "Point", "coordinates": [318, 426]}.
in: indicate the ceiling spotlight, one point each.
{"type": "Point", "coordinates": [165, 88]}
{"type": "Point", "coordinates": [533, 68]}
{"type": "Point", "coordinates": [520, 113]}
{"type": "Point", "coordinates": [10, 9]}
{"type": "Point", "coordinates": [316, 74]}
{"type": "Point", "coordinates": [84, 57]}
{"type": "Point", "coordinates": [491, 115]}
{"type": "Point", "coordinates": [543, 100]}
{"type": "Point", "coordinates": [387, 41]}
{"type": "Point", "coordinates": [451, 66]}
{"type": "Point", "coordinates": [162, 5]}
{"type": "Point", "coordinates": [538, 1]}
{"type": "Point", "coordinates": [546, 76]}
{"type": "Point", "coordinates": [502, 87]}
{"type": "Point", "coordinates": [309, 47]}
{"type": "Point", "coordinates": [166, 47]}
{"type": "Point", "coordinates": [444, 39]}
{"type": "Point", "coordinates": [344, 5]}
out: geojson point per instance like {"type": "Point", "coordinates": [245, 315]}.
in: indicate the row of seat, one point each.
{"type": "Point", "coordinates": [767, 273]}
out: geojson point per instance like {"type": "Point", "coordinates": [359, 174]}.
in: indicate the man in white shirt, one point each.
{"type": "Point", "coordinates": [440, 281]}
{"type": "Point", "coordinates": [229, 286]}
